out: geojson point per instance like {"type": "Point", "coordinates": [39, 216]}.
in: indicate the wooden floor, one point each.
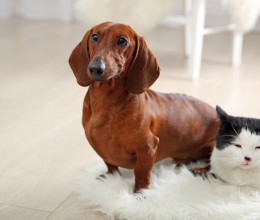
{"type": "Point", "coordinates": [42, 144]}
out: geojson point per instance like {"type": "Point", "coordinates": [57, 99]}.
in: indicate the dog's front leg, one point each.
{"type": "Point", "coordinates": [111, 168]}
{"type": "Point", "coordinates": [146, 157]}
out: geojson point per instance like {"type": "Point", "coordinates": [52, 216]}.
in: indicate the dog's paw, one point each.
{"type": "Point", "coordinates": [200, 171]}
{"type": "Point", "coordinates": [139, 196]}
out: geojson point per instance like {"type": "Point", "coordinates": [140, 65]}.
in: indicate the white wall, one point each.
{"type": "Point", "coordinates": [5, 8]}
{"type": "Point", "coordinates": [38, 9]}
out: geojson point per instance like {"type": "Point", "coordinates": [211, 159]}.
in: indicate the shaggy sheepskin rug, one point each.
{"type": "Point", "coordinates": [141, 15]}
{"type": "Point", "coordinates": [244, 13]}
{"type": "Point", "coordinates": [174, 194]}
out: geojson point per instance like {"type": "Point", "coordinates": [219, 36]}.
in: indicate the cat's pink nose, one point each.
{"type": "Point", "coordinates": [248, 158]}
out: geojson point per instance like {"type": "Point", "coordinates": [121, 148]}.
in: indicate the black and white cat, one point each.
{"type": "Point", "coordinates": [236, 156]}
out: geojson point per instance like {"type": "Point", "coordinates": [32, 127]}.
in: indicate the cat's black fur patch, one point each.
{"type": "Point", "coordinates": [231, 126]}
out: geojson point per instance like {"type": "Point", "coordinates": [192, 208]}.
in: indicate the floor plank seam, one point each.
{"type": "Point", "coordinates": [57, 207]}
{"type": "Point", "coordinates": [23, 207]}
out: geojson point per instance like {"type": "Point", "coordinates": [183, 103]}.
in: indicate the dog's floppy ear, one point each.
{"type": "Point", "coordinates": [79, 61]}
{"type": "Point", "coordinates": [143, 70]}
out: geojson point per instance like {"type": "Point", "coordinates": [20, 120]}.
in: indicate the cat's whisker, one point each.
{"type": "Point", "coordinates": [246, 125]}
{"type": "Point", "coordinates": [229, 136]}
{"type": "Point", "coordinates": [234, 129]}
{"type": "Point", "coordinates": [254, 131]}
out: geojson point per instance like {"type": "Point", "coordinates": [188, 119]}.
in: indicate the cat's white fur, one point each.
{"type": "Point", "coordinates": [229, 164]}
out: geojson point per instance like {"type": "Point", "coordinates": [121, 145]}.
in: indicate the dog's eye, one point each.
{"type": "Point", "coordinates": [122, 42]}
{"type": "Point", "coordinates": [237, 145]}
{"type": "Point", "coordinates": [258, 147]}
{"type": "Point", "coordinates": [95, 38]}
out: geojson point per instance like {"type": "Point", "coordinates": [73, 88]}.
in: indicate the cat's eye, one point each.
{"type": "Point", "coordinates": [94, 38]}
{"type": "Point", "coordinates": [122, 42]}
{"type": "Point", "coordinates": [258, 147]}
{"type": "Point", "coordinates": [237, 145]}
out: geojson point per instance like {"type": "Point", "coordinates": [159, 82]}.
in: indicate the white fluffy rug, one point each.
{"type": "Point", "coordinates": [174, 194]}
{"type": "Point", "coordinates": [141, 15]}
{"type": "Point", "coordinates": [243, 13]}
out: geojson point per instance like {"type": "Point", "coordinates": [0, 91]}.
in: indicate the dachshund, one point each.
{"type": "Point", "coordinates": [126, 123]}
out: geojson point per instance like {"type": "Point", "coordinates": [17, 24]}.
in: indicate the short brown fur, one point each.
{"type": "Point", "coordinates": [127, 124]}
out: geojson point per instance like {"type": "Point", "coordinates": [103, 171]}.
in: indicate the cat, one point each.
{"type": "Point", "coordinates": [236, 157]}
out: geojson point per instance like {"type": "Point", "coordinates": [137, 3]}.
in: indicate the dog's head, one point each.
{"type": "Point", "coordinates": [109, 50]}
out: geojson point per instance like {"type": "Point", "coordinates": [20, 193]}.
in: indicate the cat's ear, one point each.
{"type": "Point", "coordinates": [223, 116]}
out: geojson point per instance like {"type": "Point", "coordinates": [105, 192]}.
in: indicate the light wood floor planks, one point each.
{"type": "Point", "coordinates": [20, 213]}
{"type": "Point", "coordinates": [42, 144]}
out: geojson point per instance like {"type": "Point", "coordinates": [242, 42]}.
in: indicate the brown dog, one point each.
{"type": "Point", "coordinates": [127, 124]}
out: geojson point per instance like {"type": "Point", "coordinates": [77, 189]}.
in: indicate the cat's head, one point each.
{"type": "Point", "coordinates": [238, 140]}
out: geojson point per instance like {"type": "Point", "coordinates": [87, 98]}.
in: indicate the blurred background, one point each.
{"type": "Point", "coordinates": [209, 49]}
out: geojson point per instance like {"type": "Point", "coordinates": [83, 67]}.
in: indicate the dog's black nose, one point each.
{"type": "Point", "coordinates": [97, 67]}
